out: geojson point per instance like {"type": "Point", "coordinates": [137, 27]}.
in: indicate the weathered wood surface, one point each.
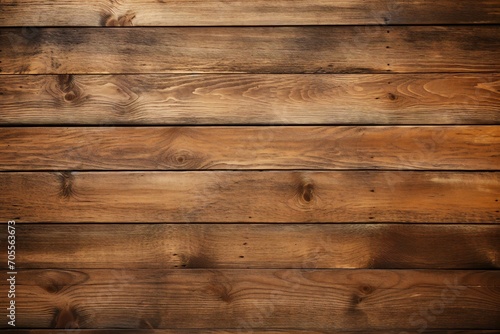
{"type": "Point", "coordinates": [323, 49]}
{"type": "Point", "coordinates": [239, 331]}
{"type": "Point", "coordinates": [254, 12]}
{"type": "Point", "coordinates": [251, 99]}
{"type": "Point", "coordinates": [242, 299]}
{"type": "Point", "coordinates": [267, 246]}
{"type": "Point", "coordinates": [238, 196]}
{"type": "Point", "coordinates": [368, 129]}
{"type": "Point", "coordinates": [193, 148]}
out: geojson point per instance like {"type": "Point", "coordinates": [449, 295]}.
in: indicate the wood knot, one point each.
{"type": "Point", "coordinates": [54, 281]}
{"type": "Point", "coordinates": [392, 97]}
{"type": "Point", "coordinates": [181, 159]}
{"type": "Point", "coordinates": [356, 300]}
{"type": "Point", "coordinates": [305, 194]}
{"type": "Point", "coordinates": [70, 96]}
{"type": "Point", "coordinates": [66, 180]}
{"type": "Point", "coordinates": [67, 86]}
{"type": "Point", "coordinates": [366, 289]}
{"type": "Point", "coordinates": [121, 21]}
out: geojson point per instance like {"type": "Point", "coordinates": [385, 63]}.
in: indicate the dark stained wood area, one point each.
{"type": "Point", "coordinates": [307, 49]}
{"type": "Point", "coordinates": [241, 246]}
{"type": "Point", "coordinates": [357, 299]}
{"type": "Point", "coordinates": [254, 12]}
{"type": "Point", "coordinates": [239, 330]}
{"type": "Point", "coordinates": [250, 166]}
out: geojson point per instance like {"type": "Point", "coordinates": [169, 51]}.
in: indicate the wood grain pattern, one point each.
{"type": "Point", "coordinates": [255, 12]}
{"type": "Point", "coordinates": [266, 246]}
{"type": "Point", "coordinates": [324, 49]}
{"type": "Point", "coordinates": [350, 196]}
{"type": "Point", "coordinates": [193, 148]}
{"type": "Point", "coordinates": [242, 299]}
{"type": "Point", "coordinates": [251, 99]}
{"type": "Point", "coordinates": [239, 331]}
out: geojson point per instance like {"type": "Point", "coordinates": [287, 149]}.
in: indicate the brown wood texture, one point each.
{"type": "Point", "coordinates": [193, 148]}
{"type": "Point", "coordinates": [323, 49]}
{"type": "Point", "coordinates": [251, 99]}
{"type": "Point", "coordinates": [253, 246]}
{"type": "Point", "coordinates": [265, 167]}
{"type": "Point", "coordinates": [253, 196]}
{"type": "Point", "coordinates": [239, 331]}
{"type": "Point", "coordinates": [254, 12]}
{"type": "Point", "coordinates": [242, 299]}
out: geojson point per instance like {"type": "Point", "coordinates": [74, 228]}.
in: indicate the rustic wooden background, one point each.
{"type": "Point", "coordinates": [285, 166]}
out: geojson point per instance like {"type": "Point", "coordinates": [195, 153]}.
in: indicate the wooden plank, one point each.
{"type": "Point", "coordinates": [267, 246]}
{"type": "Point", "coordinates": [251, 99]}
{"type": "Point", "coordinates": [239, 331]}
{"type": "Point", "coordinates": [324, 49]}
{"type": "Point", "coordinates": [255, 12]}
{"type": "Point", "coordinates": [276, 196]}
{"type": "Point", "coordinates": [246, 299]}
{"type": "Point", "coordinates": [193, 148]}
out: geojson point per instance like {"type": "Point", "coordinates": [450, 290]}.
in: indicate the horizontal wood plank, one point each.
{"type": "Point", "coordinates": [227, 196]}
{"type": "Point", "coordinates": [194, 148]}
{"type": "Point", "coordinates": [239, 331]}
{"type": "Point", "coordinates": [267, 246]}
{"type": "Point", "coordinates": [323, 49]}
{"type": "Point", "coordinates": [255, 12]}
{"type": "Point", "coordinates": [251, 99]}
{"type": "Point", "coordinates": [244, 299]}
